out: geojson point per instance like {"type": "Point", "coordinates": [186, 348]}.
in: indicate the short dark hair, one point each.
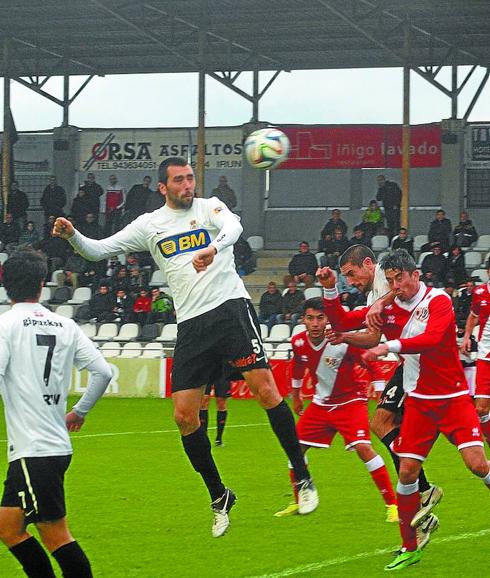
{"type": "Point", "coordinates": [356, 255]}
{"type": "Point", "coordinates": [315, 303]}
{"type": "Point", "coordinates": [23, 274]}
{"type": "Point", "coordinates": [398, 260]}
{"type": "Point", "coordinates": [169, 162]}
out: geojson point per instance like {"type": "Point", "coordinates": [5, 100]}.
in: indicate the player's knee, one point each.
{"type": "Point", "coordinates": [10, 535]}
{"type": "Point", "coordinates": [221, 403]}
{"type": "Point", "coordinates": [382, 423]}
{"type": "Point", "coordinates": [186, 422]}
{"type": "Point", "coordinates": [479, 467]}
{"type": "Point", "coordinates": [409, 472]}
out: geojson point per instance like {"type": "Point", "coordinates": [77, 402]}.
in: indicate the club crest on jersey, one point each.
{"type": "Point", "coordinates": [332, 362]}
{"type": "Point", "coordinates": [422, 314]}
{"type": "Point", "coordinates": [193, 224]}
{"type": "Point", "coordinates": [184, 243]}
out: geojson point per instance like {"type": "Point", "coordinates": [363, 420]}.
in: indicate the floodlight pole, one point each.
{"type": "Point", "coordinates": [201, 130]}
{"type": "Point", "coordinates": [406, 134]}
{"type": "Point", "coordinates": [6, 148]}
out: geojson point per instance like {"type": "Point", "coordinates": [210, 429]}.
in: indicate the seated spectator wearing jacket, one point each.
{"type": "Point", "coordinates": [373, 218]}
{"type": "Point", "coordinates": [403, 241]}
{"type": "Point", "coordinates": [456, 269]}
{"type": "Point", "coordinates": [270, 305]}
{"type": "Point", "coordinates": [244, 257]}
{"type": "Point", "coordinates": [302, 267]}
{"type": "Point", "coordinates": [359, 237]}
{"type": "Point", "coordinates": [292, 305]}
{"type": "Point", "coordinates": [142, 307]}
{"type": "Point", "coordinates": [162, 307]}
{"type": "Point", "coordinates": [348, 294]}
{"type": "Point", "coordinates": [465, 233]}
{"type": "Point", "coordinates": [327, 232]}
{"type": "Point", "coordinates": [123, 307]}
{"type": "Point", "coordinates": [334, 249]}
{"type": "Point", "coordinates": [81, 206]}
{"type": "Point", "coordinates": [9, 233]}
{"type": "Point", "coordinates": [29, 235]}
{"type": "Point", "coordinates": [101, 305]}
{"type": "Point", "coordinates": [439, 233]}
{"type": "Point", "coordinates": [434, 267]}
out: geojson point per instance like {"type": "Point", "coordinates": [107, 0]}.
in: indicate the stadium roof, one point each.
{"type": "Point", "coordinates": [99, 37]}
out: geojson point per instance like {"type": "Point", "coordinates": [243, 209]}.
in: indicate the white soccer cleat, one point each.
{"type": "Point", "coordinates": [425, 530]}
{"type": "Point", "coordinates": [428, 500]}
{"type": "Point", "coordinates": [221, 508]}
{"type": "Point", "coordinates": [308, 499]}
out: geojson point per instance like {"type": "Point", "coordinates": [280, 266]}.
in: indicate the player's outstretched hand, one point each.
{"type": "Point", "coordinates": [327, 277]}
{"type": "Point", "coordinates": [372, 354]}
{"type": "Point", "coordinates": [63, 228]}
{"type": "Point", "coordinates": [73, 421]}
{"type": "Point", "coordinates": [203, 258]}
{"type": "Point", "coordinates": [465, 346]}
{"type": "Point", "coordinates": [333, 337]}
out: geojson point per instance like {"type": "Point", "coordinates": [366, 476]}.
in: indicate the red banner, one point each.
{"type": "Point", "coordinates": [354, 147]}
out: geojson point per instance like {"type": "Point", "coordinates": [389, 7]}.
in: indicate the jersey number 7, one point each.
{"type": "Point", "coordinates": [48, 341]}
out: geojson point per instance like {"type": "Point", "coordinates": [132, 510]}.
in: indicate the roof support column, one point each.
{"type": "Point", "coordinates": [454, 91]}
{"type": "Point", "coordinates": [6, 142]}
{"type": "Point", "coordinates": [256, 96]}
{"type": "Point", "coordinates": [66, 99]}
{"type": "Point", "coordinates": [406, 135]}
{"type": "Point", "coordinates": [201, 130]}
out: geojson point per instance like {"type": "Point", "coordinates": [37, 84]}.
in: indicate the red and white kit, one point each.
{"type": "Point", "coordinates": [480, 307]}
{"type": "Point", "coordinates": [423, 331]}
{"type": "Point", "coordinates": [340, 400]}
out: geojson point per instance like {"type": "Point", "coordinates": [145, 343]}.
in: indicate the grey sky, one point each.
{"type": "Point", "coordinates": [170, 100]}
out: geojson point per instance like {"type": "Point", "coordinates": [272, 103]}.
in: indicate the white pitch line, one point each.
{"type": "Point", "coordinates": [160, 431]}
{"type": "Point", "coordinates": [362, 555]}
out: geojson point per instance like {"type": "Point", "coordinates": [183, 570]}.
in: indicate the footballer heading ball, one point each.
{"type": "Point", "coordinates": [266, 148]}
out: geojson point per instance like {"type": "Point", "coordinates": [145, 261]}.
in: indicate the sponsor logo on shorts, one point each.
{"type": "Point", "coordinates": [184, 243]}
{"type": "Point", "coordinates": [245, 361]}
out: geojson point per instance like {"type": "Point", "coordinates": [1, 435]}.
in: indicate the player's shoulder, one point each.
{"type": "Point", "coordinates": [299, 340]}
{"type": "Point", "coordinates": [481, 290]}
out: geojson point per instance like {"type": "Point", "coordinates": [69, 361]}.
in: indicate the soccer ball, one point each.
{"type": "Point", "coordinates": [266, 148]}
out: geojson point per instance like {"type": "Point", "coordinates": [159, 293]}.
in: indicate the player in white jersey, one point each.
{"type": "Point", "coordinates": [37, 352]}
{"type": "Point", "coordinates": [191, 239]}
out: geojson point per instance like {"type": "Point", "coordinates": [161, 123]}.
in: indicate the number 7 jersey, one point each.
{"type": "Point", "coordinates": [37, 352]}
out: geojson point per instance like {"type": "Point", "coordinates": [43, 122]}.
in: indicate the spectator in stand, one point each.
{"type": "Point", "coordinates": [348, 294]}
{"type": "Point", "coordinates": [436, 265]}
{"type": "Point", "coordinates": [225, 193]}
{"type": "Point", "coordinates": [81, 207]}
{"type": "Point", "coordinates": [136, 280]}
{"type": "Point", "coordinates": [162, 307]}
{"type": "Point", "coordinates": [123, 307]}
{"type": "Point", "coordinates": [244, 257]}
{"type": "Point", "coordinates": [456, 269]}
{"type": "Point", "coordinates": [270, 305]}
{"type": "Point", "coordinates": [112, 268]}
{"type": "Point", "coordinates": [9, 233]}
{"type": "Point", "coordinates": [90, 228]}
{"type": "Point", "coordinates": [136, 200]}
{"type": "Point", "coordinates": [121, 280]}
{"type": "Point", "coordinates": [155, 201]}
{"type": "Point", "coordinates": [142, 307]}
{"type": "Point", "coordinates": [465, 233]}
{"type": "Point", "coordinates": [56, 252]}
{"type": "Point", "coordinates": [292, 305]}
{"type": "Point", "coordinates": [53, 199]}
{"type": "Point", "coordinates": [101, 305]}
{"type": "Point", "coordinates": [335, 222]}
{"type": "Point", "coordinates": [48, 226]}
{"type": "Point", "coordinates": [334, 249]}
{"type": "Point", "coordinates": [78, 271]}
{"type": "Point", "coordinates": [114, 203]}
{"type": "Point", "coordinates": [29, 235]}
{"type": "Point", "coordinates": [132, 262]}
{"type": "Point", "coordinates": [94, 192]}
{"type": "Point", "coordinates": [439, 233]}
{"type": "Point", "coordinates": [403, 241]}
{"type": "Point", "coordinates": [302, 267]}
{"type": "Point", "coordinates": [359, 237]}
{"type": "Point", "coordinates": [390, 195]}
{"type": "Point", "coordinates": [373, 219]}
{"type": "Point", "coordinates": [462, 302]}
{"type": "Point", "coordinates": [17, 204]}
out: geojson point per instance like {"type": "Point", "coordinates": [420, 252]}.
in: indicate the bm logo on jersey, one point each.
{"type": "Point", "coordinates": [184, 242]}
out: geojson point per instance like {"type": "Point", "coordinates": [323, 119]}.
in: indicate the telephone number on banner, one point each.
{"type": "Point", "coordinates": [113, 165]}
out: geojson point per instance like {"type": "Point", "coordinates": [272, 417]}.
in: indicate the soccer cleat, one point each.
{"type": "Point", "coordinates": [307, 496]}
{"type": "Point", "coordinates": [404, 558]}
{"type": "Point", "coordinates": [425, 530]}
{"type": "Point", "coordinates": [221, 508]}
{"type": "Point", "coordinates": [392, 513]}
{"type": "Point", "coordinates": [218, 443]}
{"type": "Point", "coordinates": [290, 510]}
{"type": "Point", "coordinates": [428, 500]}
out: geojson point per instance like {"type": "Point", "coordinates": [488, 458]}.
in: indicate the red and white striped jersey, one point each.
{"type": "Point", "coordinates": [423, 331]}
{"type": "Point", "coordinates": [480, 306]}
{"type": "Point", "coordinates": [334, 370]}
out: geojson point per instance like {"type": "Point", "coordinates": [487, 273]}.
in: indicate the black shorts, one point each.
{"type": "Point", "coordinates": [393, 394]}
{"type": "Point", "coordinates": [36, 485]}
{"type": "Point", "coordinates": [228, 335]}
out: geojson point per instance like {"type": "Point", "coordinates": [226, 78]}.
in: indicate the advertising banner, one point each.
{"type": "Point", "coordinates": [353, 147]}
{"type": "Point", "coordinates": [478, 146]}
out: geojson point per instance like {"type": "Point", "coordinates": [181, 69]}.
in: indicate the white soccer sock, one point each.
{"type": "Point", "coordinates": [407, 489]}
{"type": "Point", "coordinates": [486, 479]}
{"type": "Point", "coordinates": [374, 464]}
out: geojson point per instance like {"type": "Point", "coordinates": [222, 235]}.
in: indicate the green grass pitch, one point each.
{"type": "Point", "coordinates": [140, 511]}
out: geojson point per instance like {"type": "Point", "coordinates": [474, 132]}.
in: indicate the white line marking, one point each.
{"type": "Point", "coordinates": [362, 555]}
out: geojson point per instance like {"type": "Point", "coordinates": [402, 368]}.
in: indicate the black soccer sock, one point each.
{"type": "Point", "coordinates": [220, 421]}
{"type": "Point", "coordinates": [203, 418]}
{"type": "Point", "coordinates": [72, 561]}
{"type": "Point", "coordinates": [198, 450]}
{"type": "Point", "coordinates": [424, 484]}
{"type": "Point", "coordinates": [33, 558]}
{"type": "Point", "coordinates": [282, 422]}
{"type": "Point", "coordinates": [387, 441]}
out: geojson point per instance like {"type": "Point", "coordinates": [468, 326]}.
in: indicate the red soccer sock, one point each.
{"type": "Point", "coordinates": [293, 483]}
{"type": "Point", "coordinates": [382, 480]}
{"type": "Point", "coordinates": [408, 506]}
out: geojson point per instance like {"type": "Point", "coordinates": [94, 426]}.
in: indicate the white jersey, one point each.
{"type": "Point", "coordinates": [37, 352]}
{"type": "Point", "coordinates": [173, 236]}
{"type": "Point", "coordinates": [380, 286]}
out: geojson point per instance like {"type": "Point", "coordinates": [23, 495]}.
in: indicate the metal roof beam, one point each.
{"type": "Point", "coordinates": [477, 95]}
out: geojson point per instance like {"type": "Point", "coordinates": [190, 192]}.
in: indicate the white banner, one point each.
{"type": "Point", "coordinates": [478, 146]}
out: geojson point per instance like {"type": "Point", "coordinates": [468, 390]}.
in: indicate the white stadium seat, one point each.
{"type": "Point", "coordinates": [55, 280]}
{"type": "Point", "coordinates": [269, 349]}
{"type": "Point", "coordinates": [158, 279]}
{"type": "Point", "coordinates": [131, 350]}
{"type": "Point", "coordinates": [256, 242]}
{"type": "Point", "coordinates": [4, 308]}
{"type": "Point", "coordinates": [110, 349]}
{"type": "Point", "coordinates": [482, 244]}
{"type": "Point", "coordinates": [264, 331]}
{"type": "Point", "coordinates": [3, 257]}
{"type": "Point", "coordinates": [152, 351]}
{"type": "Point", "coordinates": [422, 257]}
{"type": "Point", "coordinates": [283, 351]}
{"type": "Point", "coordinates": [80, 295]}
{"type": "Point", "coordinates": [169, 332]}
{"type": "Point", "coordinates": [482, 273]}
{"type": "Point", "coordinates": [45, 294]}
{"type": "Point", "coordinates": [319, 257]}
{"type": "Point", "coordinates": [89, 329]}
{"type": "Point", "coordinates": [127, 332]}
{"type": "Point", "coordinates": [298, 328]}
{"type": "Point", "coordinates": [472, 259]}
{"type": "Point", "coordinates": [107, 332]}
{"type": "Point", "coordinates": [279, 332]}
{"type": "Point", "coordinates": [380, 243]}
{"type": "Point", "coordinates": [65, 311]}
{"type": "Point", "coordinates": [3, 296]}
{"type": "Point", "coordinates": [313, 292]}
{"type": "Point", "coordinates": [419, 240]}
